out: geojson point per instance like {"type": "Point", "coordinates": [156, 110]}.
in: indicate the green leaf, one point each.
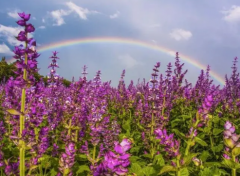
{"type": "Point", "coordinates": [204, 155]}
{"type": "Point", "coordinates": [200, 141]}
{"type": "Point", "coordinates": [53, 172]}
{"type": "Point", "coordinates": [147, 156]}
{"type": "Point", "coordinates": [179, 134]}
{"type": "Point", "coordinates": [138, 160]}
{"type": "Point", "coordinates": [82, 157]}
{"type": "Point", "coordinates": [167, 168]}
{"type": "Point", "coordinates": [82, 168]}
{"type": "Point", "coordinates": [135, 149]}
{"type": "Point", "coordinates": [218, 148]}
{"type": "Point", "coordinates": [136, 168]}
{"type": "Point", "coordinates": [148, 171]}
{"type": "Point", "coordinates": [184, 172]}
{"type": "Point", "coordinates": [158, 159]}
{"type": "Point", "coordinates": [210, 164]}
{"type": "Point", "coordinates": [236, 151]}
{"type": "Point", "coordinates": [185, 117]}
{"type": "Point", "coordinates": [205, 172]}
{"type": "Point", "coordinates": [176, 122]}
{"type": "Point", "coordinates": [188, 159]}
{"type": "Point", "coordinates": [13, 112]}
{"type": "Point", "coordinates": [230, 164]}
{"type": "Point", "coordinates": [217, 131]}
{"type": "Point", "coordinates": [126, 126]}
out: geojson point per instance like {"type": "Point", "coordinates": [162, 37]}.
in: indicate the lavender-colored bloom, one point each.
{"type": "Point", "coordinates": [12, 169]}
{"type": "Point", "coordinates": [230, 138]}
{"type": "Point", "coordinates": [171, 146]}
{"type": "Point", "coordinates": [116, 163]}
{"type": "Point", "coordinates": [24, 16]}
{"type": "Point", "coordinates": [67, 159]}
{"type": "Point", "coordinates": [29, 28]}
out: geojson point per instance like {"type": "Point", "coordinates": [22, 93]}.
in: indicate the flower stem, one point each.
{"type": "Point", "coordinates": [70, 127]}
{"type": "Point", "coordinates": [94, 153]}
{"type": "Point", "coordinates": [233, 170]}
{"type": "Point", "coordinates": [21, 142]}
{"type": "Point", "coordinates": [190, 139]}
{"type": "Point", "coordinates": [41, 169]}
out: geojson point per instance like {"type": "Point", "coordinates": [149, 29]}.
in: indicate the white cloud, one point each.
{"type": "Point", "coordinates": [14, 14]}
{"type": "Point", "coordinates": [129, 61]}
{"type": "Point", "coordinates": [232, 15]}
{"type": "Point", "coordinates": [115, 15]}
{"type": "Point", "coordinates": [9, 34]}
{"type": "Point", "coordinates": [180, 34]}
{"type": "Point", "coordinates": [43, 20]}
{"type": "Point", "coordinates": [82, 12]}
{"type": "Point", "coordinates": [57, 16]}
{"type": "Point", "coordinates": [5, 50]}
{"type": "Point", "coordinates": [41, 27]}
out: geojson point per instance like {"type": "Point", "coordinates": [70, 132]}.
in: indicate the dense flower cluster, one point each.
{"type": "Point", "coordinates": [171, 145]}
{"type": "Point", "coordinates": [115, 163]}
{"type": "Point", "coordinates": [47, 127]}
{"type": "Point", "coordinates": [231, 140]}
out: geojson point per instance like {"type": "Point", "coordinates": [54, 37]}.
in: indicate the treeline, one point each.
{"type": "Point", "coordinates": [7, 71]}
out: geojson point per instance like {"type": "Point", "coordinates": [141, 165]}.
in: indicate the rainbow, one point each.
{"type": "Point", "coordinates": [127, 41]}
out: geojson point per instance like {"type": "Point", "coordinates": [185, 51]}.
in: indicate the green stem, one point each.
{"type": "Point", "coordinates": [152, 125]}
{"type": "Point", "coordinates": [211, 141]}
{"type": "Point", "coordinates": [22, 116]}
{"type": "Point", "coordinates": [130, 114]}
{"type": "Point", "coordinates": [76, 136]}
{"type": "Point", "coordinates": [191, 138]}
{"type": "Point", "coordinates": [29, 172]}
{"type": "Point", "coordinates": [94, 153]}
{"type": "Point", "coordinates": [70, 127]}
{"type": "Point", "coordinates": [178, 166]}
{"type": "Point", "coordinates": [233, 170]}
{"type": "Point", "coordinates": [41, 169]}
{"type": "Point", "coordinates": [65, 172]}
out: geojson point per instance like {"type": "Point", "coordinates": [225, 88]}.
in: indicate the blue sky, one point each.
{"type": "Point", "coordinates": [205, 30]}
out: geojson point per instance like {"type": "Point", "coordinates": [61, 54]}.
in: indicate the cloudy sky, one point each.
{"type": "Point", "coordinates": [206, 30]}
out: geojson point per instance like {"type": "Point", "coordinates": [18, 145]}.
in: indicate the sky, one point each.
{"type": "Point", "coordinates": [205, 31]}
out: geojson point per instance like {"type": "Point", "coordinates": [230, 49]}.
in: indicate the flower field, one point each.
{"type": "Point", "coordinates": [166, 126]}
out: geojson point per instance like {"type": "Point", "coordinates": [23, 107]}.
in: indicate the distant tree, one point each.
{"type": "Point", "coordinates": [66, 82]}
{"type": "Point", "coordinates": [7, 71]}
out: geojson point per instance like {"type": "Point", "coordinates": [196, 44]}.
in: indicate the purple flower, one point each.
{"type": "Point", "coordinates": [67, 159]}
{"type": "Point", "coordinates": [171, 146]}
{"type": "Point", "coordinates": [230, 137]}
{"type": "Point", "coordinates": [24, 16]}
{"type": "Point", "coordinates": [12, 169]}
{"type": "Point", "coordinates": [227, 125]}
{"type": "Point", "coordinates": [116, 163]}
{"type": "Point", "coordinates": [21, 22]}
{"type": "Point", "coordinates": [29, 28]}
{"type": "Point", "coordinates": [22, 36]}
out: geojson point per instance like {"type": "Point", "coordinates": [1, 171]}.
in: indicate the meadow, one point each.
{"type": "Point", "coordinates": [166, 126]}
